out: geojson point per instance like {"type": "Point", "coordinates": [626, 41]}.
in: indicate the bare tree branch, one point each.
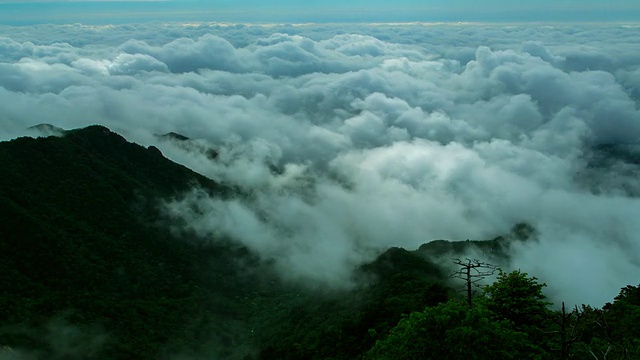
{"type": "Point", "coordinates": [472, 272]}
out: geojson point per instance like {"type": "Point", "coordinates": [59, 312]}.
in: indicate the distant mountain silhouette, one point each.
{"type": "Point", "coordinates": [47, 129]}
{"type": "Point", "coordinates": [173, 136]}
{"type": "Point", "coordinates": [189, 144]}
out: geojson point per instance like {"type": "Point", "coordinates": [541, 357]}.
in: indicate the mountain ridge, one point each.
{"type": "Point", "coordinates": [84, 242]}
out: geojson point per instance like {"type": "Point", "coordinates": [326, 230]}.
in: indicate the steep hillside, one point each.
{"type": "Point", "coordinates": [87, 253]}
{"type": "Point", "coordinates": [83, 244]}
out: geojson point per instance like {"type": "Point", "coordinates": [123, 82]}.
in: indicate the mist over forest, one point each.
{"type": "Point", "coordinates": [348, 140]}
{"type": "Point", "coordinates": [381, 135]}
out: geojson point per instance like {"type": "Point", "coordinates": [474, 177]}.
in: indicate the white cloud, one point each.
{"type": "Point", "coordinates": [355, 138]}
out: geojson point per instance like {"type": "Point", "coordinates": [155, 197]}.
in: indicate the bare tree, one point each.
{"type": "Point", "coordinates": [472, 272]}
{"type": "Point", "coordinates": [601, 322]}
{"type": "Point", "coordinates": [568, 333]}
{"type": "Point", "coordinates": [571, 326]}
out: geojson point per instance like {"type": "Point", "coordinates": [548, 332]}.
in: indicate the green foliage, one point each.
{"type": "Point", "coordinates": [608, 333]}
{"type": "Point", "coordinates": [518, 298]}
{"type": "Point", "coordinates": [344, 325]}
{"type": "Point", "coordinates": [451, 331]}
{"type": "Point", "coordinates": [621, 319]}
{"type": "Point", "coordinates": [80, 239]}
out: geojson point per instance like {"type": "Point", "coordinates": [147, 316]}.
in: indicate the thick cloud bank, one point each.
{"type": "Point", "coordinates": [350, 139]}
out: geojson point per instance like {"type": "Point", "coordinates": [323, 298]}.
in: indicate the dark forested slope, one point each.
{"type": "Point", "coordinates": [90, 268]}
{"type": "Point", "coordinates": [85, 251]}
{"type": "Point", "coordinates": [81, 244]}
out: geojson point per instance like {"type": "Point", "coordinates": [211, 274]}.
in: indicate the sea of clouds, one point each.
{"type": "Point", "coordinates": [353, 138]}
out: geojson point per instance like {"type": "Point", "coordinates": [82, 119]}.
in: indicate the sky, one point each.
{"type": "Point", "coordinates": [101, 12]}
{"type": "Point", "coordinates": [353, 137]}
